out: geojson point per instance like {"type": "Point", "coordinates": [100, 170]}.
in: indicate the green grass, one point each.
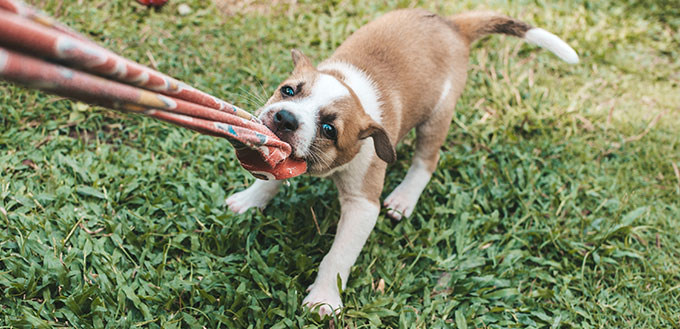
{"type": "Point", "coordinates": [555, 204]}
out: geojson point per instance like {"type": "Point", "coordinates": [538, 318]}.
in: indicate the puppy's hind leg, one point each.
{"type": "Point", "coordinates": [430, 135]}
{"type": "Point", "coordinates": [257, 195]}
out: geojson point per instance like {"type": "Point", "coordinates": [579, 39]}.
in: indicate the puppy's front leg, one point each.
{"type": "Point", "coordinates": [257, 195]}
{"type": "Point", "coordinates": [358, 216]}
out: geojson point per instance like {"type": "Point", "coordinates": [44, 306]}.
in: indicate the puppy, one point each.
{"type": "Point", "coordinates": [402, 71]}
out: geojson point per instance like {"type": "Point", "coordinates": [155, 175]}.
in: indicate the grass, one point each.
{"type": "Point", "coordinates": [555, 205]}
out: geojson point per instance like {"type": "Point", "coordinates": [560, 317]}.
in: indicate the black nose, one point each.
{"type": "Point", "coordinates": [286, 121]}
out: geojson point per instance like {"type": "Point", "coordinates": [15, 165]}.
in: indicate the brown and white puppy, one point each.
{"type": "Point", "coordinates": [402, 71]}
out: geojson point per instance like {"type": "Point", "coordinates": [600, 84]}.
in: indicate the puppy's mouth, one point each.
{"type": "Point", "coordinates": [314, 157]}
{"type": "Point", "coordinates": [294, 131]}
{"type": "Point", "coordinates": [284, 135]}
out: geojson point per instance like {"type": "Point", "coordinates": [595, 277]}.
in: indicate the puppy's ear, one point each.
{"type": "Point", "coordinates": [300, 60]}
{"type": "Point", "coordinates": [382, 143]}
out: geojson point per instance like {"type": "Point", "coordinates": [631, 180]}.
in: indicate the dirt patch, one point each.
{"type": "Point", "coordinates": [262, 7]}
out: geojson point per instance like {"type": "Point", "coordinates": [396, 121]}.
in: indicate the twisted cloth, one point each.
{"type": "Point", "coordinates": [40, 53]}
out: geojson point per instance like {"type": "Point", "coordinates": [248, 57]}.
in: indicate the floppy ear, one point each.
{"type": "Point", "coordinates": [300, 60]}
{"type": "Point", "coordinates": [382, 143]}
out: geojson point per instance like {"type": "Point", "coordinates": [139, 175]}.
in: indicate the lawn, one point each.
{"type": "Point", "coordinates": [556, 203]}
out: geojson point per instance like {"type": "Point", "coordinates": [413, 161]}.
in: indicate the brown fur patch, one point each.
{"type": "Point", "coordinates": [408, 68]}
{"type": "Point", "coordinates": [476, 24]}
{"type": "Point", "coordinates": [301, 80]}
{"type": "Point", "coordinates": [383, 146]}
{"type": "Point", "coordinates": [508, 26]}
{"type": "Point", "coordinates": [347, 116]}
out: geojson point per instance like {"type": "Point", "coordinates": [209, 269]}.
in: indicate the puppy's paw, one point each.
{"type": "Point", "coordinates": [242, 201]}
{"type": "Point", "coordinates": [256, 196]}
{"type": "Point", "coordinates": [324, 300]}
{"type": "Point", "coordinates": [401, 202]}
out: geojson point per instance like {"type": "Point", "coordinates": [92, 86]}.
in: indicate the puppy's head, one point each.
{"type": "Point", "coordinates": [322, 119]}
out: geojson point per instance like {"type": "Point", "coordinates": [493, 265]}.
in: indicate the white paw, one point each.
{"type": "Point", "coordinates": [256, 196]}
{"type": "Point", "coordinates": [244, 200]}
{"type": "Point", "coordinates": [401, 202]}
{"type": "Point", "coordinates": [325, 300]}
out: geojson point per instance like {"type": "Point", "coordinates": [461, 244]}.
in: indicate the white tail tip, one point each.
{"type": "Point", "coordinates": [547, 40]}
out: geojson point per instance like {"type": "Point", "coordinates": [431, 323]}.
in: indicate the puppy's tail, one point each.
{"type": "Point", "coordinates": [476, 24]}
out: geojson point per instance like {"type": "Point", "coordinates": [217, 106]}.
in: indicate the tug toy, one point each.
{"type": "Point", "coordinates": [154, 3]}
{"type": "Point", "coordinates": [40, 53]}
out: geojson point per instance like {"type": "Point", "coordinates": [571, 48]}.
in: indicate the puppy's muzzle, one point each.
{"type": "Point", "coordinates": [285, 122]}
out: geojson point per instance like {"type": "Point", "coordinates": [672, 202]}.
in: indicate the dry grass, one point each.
{"type": "Point", "coordinates": [260, 7]}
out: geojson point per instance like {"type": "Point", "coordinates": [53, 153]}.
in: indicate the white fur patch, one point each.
{"type": "Point", "coordinates": [325, 91]}
{"type": "Point", "coordinates": [362, 85]}
{"type": "Point", "coordinates": [549, 41]}
{"type": "Point", "coordinates": [442, 97]}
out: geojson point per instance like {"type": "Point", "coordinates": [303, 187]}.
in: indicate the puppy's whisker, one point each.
{"type": "Point", "coordinates": [264, 92]}
{"type": "Point", "coordinates": [311, 154]}
{"type": "Point", "coordinates": [325, 159]}
{"type": "Point", "coordinates": [319, 156]}
{"type": "Point", "coordinates": [248, 101]}
{"type": "Point", "coordinates": [254, 99]}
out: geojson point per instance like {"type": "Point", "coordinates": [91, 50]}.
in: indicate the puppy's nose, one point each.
{"type": "Point", "coordinates": [285, 121]}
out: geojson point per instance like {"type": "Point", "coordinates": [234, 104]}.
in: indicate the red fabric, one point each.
{"type": "Point", "coordinates": [96, 75]}
{"type": "Point", "coordinates": [155, 3]}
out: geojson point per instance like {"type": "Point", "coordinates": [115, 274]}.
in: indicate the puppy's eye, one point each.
{"type": "Point", "coordinates": [287, 91]}
{"type": "Point", "coordinates": [329, 131]}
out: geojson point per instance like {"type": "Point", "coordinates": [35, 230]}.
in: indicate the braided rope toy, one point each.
{"type": "Point", "coordinates": [40, 53]}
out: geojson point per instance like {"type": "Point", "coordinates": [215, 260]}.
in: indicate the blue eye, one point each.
{"type": "Point", "coordinates": [329, 131]}
{"type": "Point", "coordinates": [287, 91]}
